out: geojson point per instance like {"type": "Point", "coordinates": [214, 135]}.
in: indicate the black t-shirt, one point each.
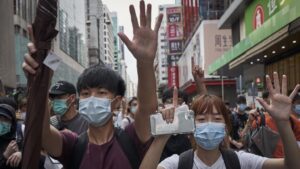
{"type": "Point", "coordinates": [176, 145]}
{"type": "Point", "coordinates": [238, 122]}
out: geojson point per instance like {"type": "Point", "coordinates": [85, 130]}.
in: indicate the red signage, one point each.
{"type": "Point", "coordinates": [259, 17]}
{"type": "Point", "coordinates": [173, 79]}
{"type": "Point", "coordinates": [175, 31]}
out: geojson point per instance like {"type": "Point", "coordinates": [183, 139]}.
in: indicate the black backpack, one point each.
{"type": "Point", "coordinates": [231, 160]}
{"type": "Point", "coordinates": [123, 139]}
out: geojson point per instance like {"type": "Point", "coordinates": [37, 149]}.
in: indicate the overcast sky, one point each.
{"type": "Point", "coordinates": [122, 8]}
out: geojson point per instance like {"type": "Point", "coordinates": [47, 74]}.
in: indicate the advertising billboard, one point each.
{"type": "Point", "coordinates": [173, 76]}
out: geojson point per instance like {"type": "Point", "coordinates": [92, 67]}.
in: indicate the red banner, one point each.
{"type": "Point", "coordinates": [173, 78]}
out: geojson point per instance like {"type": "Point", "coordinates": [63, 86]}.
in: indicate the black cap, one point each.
{"type": "Point", "coordinates": [7, 111]}
{"type": "Point", "coordinates": [62, 88]}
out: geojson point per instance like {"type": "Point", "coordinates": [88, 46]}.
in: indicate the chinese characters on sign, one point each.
{"type": "Point", "coordinates": [174, 30]}
{"type": "Point", "coordinates": [175, 37]}
{"type": "Point", "coordinates": [174, 18]}
{"type": "Point", "coordinates": [173, 76]}
{"type": "Point", "coordinates": [175, 46]}
{"type": "Point", "coordinates": [173, 59]}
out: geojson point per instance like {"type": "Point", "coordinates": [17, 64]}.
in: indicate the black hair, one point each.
{"type": "Point", "coordinates": [168, 94]}
{"type": "Point", "coordinates": [131, 100]}
{"type": "Point", "coordinates": [265, 94]}
{"type": "Point", "coordinates": [98, 76]}
{"type": "Point", "coordinates": [241, 99]}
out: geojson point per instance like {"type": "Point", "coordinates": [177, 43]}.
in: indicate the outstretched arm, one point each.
{"type": "Point", "coordinates": [152, 156]}
{"type": "Point", "coordinates": [280, 110]}
{"type": "Point", "coordinates": [198, 75]}
{"type": "Point", "coordinates": [143, 47]}
{"type": "Point", "coordinates": [51, 138]}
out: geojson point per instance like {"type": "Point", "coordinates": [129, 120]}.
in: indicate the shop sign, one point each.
{"type": "Point", "coordinates": [259, 11]}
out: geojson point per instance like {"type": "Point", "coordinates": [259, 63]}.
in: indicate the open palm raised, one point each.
{"type": "Point", "coordinates": [281, 104]}
{"type": "Point", "coordinates": [144, 43]}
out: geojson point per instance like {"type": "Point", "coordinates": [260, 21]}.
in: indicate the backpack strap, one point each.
{"type": "Point", "coordinates": [78, 151]}
{"type": "Point", "coordinates": [231, 159]}
{"type": "Point", "coordinates": [128, 119]}
{"type": "Point", "coordinates": [128, 148]}
{"type": "Point", "coordinates": [186, 159]}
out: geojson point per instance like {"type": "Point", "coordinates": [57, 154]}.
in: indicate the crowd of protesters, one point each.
{"type": "Point", "coordinates": [91, 125]}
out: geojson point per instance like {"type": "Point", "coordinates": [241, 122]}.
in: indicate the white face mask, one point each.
{"type": "Point", "coordinates": [133, 109]}
{"type": "Point", "coordinates": [97, 111]}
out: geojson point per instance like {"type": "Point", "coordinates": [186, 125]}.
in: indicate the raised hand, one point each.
{"type": "Point", "coordinates": [280, 106]}
{"type": "Point", "coordinates": [198, 74]}
{"type": "Point", "coordinates": [30, 65]}
{"type": "Point", "coordinates": [169, 111]}
{"type": "Point", "coordinates": [144, 43]}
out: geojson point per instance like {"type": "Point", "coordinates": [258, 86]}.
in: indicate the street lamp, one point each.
{"type": "Point", "coordinates": [88, 22]}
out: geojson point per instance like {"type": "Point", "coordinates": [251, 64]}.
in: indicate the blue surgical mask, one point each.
{"type": "Point", "coordinates": [96, 111]}
{"type": "Point", "coordinates": [133, 109]}
{"type": "Point", "coordinates": [297, 108]}
{"type": "Point", "coordinates": [59, 106]}
{"type": "Point", "coordinates": [4, 128]}
{"type": "Point", "coordinates": [242, 107]}
{"type": "Point", "coordinates": [209, 135]}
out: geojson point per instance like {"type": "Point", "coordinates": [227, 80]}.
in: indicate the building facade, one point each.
{"type": "Point", "coordinates": [7, 50]}
{"type": "Point", "coordinates": [117, 58]}
{"type": "Point", "coordinates": [69, 45]}
{"type": "Point", "coordinates": [265, 37]}
{"type": "Point", "coordinates": [94, 26]}
{"type": "Point", "coordinates": [108, 38]}
{"type": "Point", "coordinates": [161, 60]}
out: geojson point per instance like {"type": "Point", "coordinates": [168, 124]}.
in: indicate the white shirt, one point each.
{"type": "Point", "coordinates": [247, 161]}
{"type": "Point", "coordinates": [126, 122]}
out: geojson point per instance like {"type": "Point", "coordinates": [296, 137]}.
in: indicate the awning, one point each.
{"type": "Point", "coordinates": [270, 27]}
{"type": "Point", "coordinates": [190, 86]}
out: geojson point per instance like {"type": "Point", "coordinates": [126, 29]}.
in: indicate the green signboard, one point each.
{"type": "Point", "coordinates": [282, 16]}
{"type": "Point", "coordinates": [259, 11]}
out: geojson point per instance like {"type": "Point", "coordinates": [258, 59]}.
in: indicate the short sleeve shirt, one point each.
{"type": "Point", "coordinates": [106, 156]}
{"type": "Point", "coordinates": [78, 124]}
{"type": "Point", "coordinates": [247, 161]}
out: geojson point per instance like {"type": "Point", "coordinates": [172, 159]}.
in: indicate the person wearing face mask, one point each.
{"type": "Point", "coordinates": [238, 121]}
{"type": "Point", "coordinates": [63, 97]}
{"type": "Point", "coordinates": [212, 124]}
{"type": "Point", "coordinates": [131, 110]}
{"type": "Point", "coordinates": [100, 91]}
{"type": "Point", "coordinates": [10, 147]}
{"type": "Point", "coordinates": [177, 143]}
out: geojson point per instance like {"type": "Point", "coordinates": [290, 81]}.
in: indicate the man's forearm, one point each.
{"type": "Point", "coordinates": [147, 100]}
